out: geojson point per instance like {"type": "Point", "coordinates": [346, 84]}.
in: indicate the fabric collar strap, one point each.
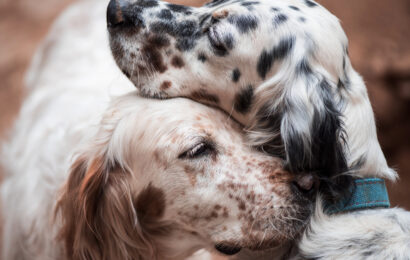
{"type": "Point", "coordinates": [366, 194]}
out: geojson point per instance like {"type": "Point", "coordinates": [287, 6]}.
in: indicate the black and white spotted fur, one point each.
{"type": "Point", "coordinates": [282, 69]}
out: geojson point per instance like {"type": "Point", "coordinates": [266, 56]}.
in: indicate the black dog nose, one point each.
{"type": "Point", "coordinates": [306, 184]}
{"type": "Point", "coordinates": [115, 16]}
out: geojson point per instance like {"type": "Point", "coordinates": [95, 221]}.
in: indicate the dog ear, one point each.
{"type": "Point", "coordinates": [101, 218]}
{"type": "Point", "coordinates": [304, 126]}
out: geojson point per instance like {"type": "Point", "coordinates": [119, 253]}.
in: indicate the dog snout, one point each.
{"type": "Point", "coordinates": [115, 16]}
{"type": "Point", "coordinates": [125, 14]}
{"type": "Point", "coordinates": [306, 183]}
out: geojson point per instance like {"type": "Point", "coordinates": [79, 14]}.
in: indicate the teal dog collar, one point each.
{"type": "Point", "coordinates": [366, 193]}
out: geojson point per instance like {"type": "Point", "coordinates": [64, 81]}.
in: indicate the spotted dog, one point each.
{"type": "Point", "coordinates": [282, 69]}
{"type": "Point", "coordinates": [94, 171]}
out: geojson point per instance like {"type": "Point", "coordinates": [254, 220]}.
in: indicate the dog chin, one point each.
{"type": "Point", "coordinates": [231, 248]}
{"type": "Point", "coordinates": [149, 93]}
{"type": "Point", "coordinates": [254, 243]}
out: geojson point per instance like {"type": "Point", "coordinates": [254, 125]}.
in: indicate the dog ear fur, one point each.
{"type": "Point", "coordinates": [304, 126]}
{"type": "Point", "coordinates": [101, 218]}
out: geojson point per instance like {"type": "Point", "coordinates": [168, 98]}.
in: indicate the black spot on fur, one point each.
{"type": "Point", "coordinates": [302, 19]}
{"type": "Point", "coordinates": [267, 58]}
{"type": "Point", "coordinates": [155, 58]}
{"type": "Point", "coordinates": [180, 8]}
{"type": "Point", "coordinates": [228, 40]}
{"type": "Point", "coordinates": [283, 48]}
{"type": "Point", "coordinates": [201, 57]}
{"type": "Point", "coordinates": [185, 44]}
{"type": "Point", "coordinates": [310, 3]}
{"type": "Point", "coordinates": [249, 3]}
{"type": "Point", "coordinates": [151, 51]}
{"type": "Point", "coordinates": [244, 23]}
{"type": "Point", "coordinates": [275, 9]}
{"type": "Point", "coordinates": [158, 41]}
{"type": "Point", "coordinates": [203, 18]}
{"type": "Point", "coordinates": [186, 32]}
{"type": "Point", "coordinates": [243, 100]}
{"type": "Point", "coordinates": [146, 3]}
{"type": "Point", "coordinates": [279, 19]}
{"type": "Point", "coordinates": [177, 62]}
{"type": "Point", "coordinates": [162, 27]}
{"type": "Point", "coordinates": [304, 68]}
{"type": "Point", "coordinates": [188, 28]}
{"type": "Point", "coordinates": [165, 14]}
{"type": "Point", "coordinates": [236, 74]}
{"type": "Point", "coordinates": [133, 19]}
{"type": "Point", "coordinates": [294, 7]}
{"type": "Point", "coordinates": [265, 63]}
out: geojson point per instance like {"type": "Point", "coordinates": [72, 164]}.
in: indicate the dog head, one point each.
{"type": "Point", "coordinates": [279, 67]}
{"type": "Point", "coordinates": [162, 179]}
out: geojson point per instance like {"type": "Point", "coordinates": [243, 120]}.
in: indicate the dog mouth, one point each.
{"type": "Point", "coordinates": [227, 250]}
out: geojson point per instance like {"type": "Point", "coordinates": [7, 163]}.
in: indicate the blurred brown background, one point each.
{"type": "Point", "coordinates": [379, 48]}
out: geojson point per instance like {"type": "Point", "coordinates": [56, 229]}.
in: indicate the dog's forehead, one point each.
{"type": "Point", "coordinates": [182, 114]}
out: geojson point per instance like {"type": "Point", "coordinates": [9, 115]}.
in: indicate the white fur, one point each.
{"type": "Point", "coordinates": [368, 234]}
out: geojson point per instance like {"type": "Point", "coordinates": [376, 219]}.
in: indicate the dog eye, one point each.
{"type": "Point", "coordinates": [199, 150]}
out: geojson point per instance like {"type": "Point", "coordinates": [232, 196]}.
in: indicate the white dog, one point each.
{"type": "Point", "coordinates": [281, 68]}
{"type": "Point", "coordinates": [134, 178]}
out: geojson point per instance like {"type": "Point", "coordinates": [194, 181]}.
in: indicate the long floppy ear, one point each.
{"type": "Point", "coordinates": [304, 126]}
{"type": "Point", "coordinates": [101, 218]}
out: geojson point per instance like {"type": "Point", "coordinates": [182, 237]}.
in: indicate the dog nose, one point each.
{"type": "Point", "coordinates": [305, 183]}
{"type": "Point", "coordinates": [115, 16]}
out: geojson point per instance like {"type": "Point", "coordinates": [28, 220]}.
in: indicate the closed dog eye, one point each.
{"type": "Point", "coordinates": [201, 149]}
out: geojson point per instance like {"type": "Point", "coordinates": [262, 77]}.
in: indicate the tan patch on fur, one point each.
{"type": "Point", "coordinates": [165, 85]}
{"type": "Point", "coordinates": [191, 175]}
{"type": "Point", "coordinates": [177, 62]}
{"type": "Point", "coordinates": [220, 14]}
{"type": "Point", "coordinates": [150, 203]}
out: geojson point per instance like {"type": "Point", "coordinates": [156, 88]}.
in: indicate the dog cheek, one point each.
{"type": "Point", "coordinates": [150, 204]}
